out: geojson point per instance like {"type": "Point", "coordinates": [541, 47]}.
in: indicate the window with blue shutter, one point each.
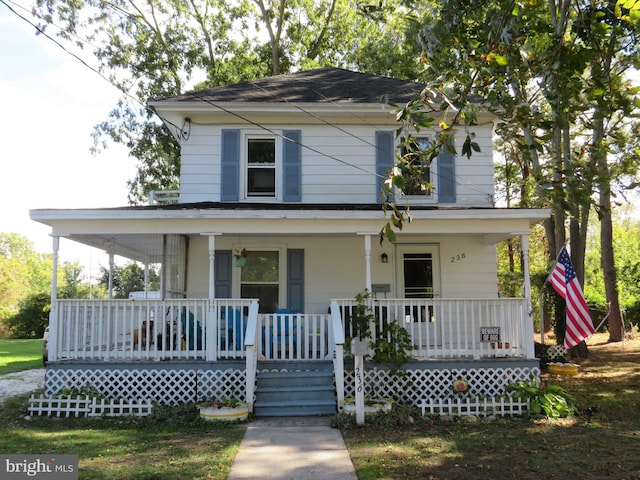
{"type": "Point", "coordinates": [446, 166]}
{"type": "Point", "coordinates": [222, 273]}
{"type": "Point", "coordinates": [384, 159]}
{"type": "Point", "coordinates": [295, 280]}
{"type": "Point", "coordinates": [292, 166]}
{"type": "Point", "coordinates": [230, 166]}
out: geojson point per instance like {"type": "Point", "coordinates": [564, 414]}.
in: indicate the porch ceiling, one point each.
{"type": "Point", "coordinates": [145, 248]}
{"type": "Point", "coordinates": [138, 233]}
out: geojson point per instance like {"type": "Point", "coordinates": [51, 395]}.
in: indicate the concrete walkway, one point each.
{"type": "Point", "coordinates": [292, 448]}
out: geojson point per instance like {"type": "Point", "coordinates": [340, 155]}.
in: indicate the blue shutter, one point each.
{"type": "Point", "coordinates": [384, 160]}
{"type": "Point", "coordinates": [230, 170]}
{"type": "Point", "coordinates": [295, 280]}
{"type": "Point", "coordinates": [446, 167]}
{"type": "Point", "coordinates": [292, 166]}
{"type": "Point", "coordinates": [222, 273]}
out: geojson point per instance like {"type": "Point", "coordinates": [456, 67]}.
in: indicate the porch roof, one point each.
{"type": "Point", "coordinates": [137, 232]}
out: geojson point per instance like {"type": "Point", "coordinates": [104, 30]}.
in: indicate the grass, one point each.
{"type": "Point", "coordinates": [604, 448]}
{"type": "Point", "coordinates": [18, 355]}
{"type": "Point", "coordinates": [174, 444]}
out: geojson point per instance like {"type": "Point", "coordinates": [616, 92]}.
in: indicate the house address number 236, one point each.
{"type": "Point", "coordinates": [458, 258]}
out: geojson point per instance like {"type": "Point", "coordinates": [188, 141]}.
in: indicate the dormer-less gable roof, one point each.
{"type": "Point", "coordinates": [322, 85]}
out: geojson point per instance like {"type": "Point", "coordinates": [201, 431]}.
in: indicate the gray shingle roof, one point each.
{"type": "Point", "coordinates": [322, 85]}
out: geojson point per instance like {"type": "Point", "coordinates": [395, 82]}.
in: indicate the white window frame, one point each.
{"type": "Point", "coordinates": [282, 272]}
{"type": "Point", "coordinates": [244, 162]}
{"type": "Point", "coordinates": [433, 180]}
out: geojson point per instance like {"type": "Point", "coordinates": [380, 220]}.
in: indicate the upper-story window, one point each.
{"type": "Point", "coordinates": [421, 183]}
{"type": "Point", "coordinates": [260, 167]}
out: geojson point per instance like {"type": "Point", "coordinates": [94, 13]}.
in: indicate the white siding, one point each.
{"type": "Point", "coordinates": [338, 165]}
{"type": "Point", "coordinates": [335, 266]}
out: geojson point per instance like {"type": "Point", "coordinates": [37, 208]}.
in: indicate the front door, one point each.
{"type": "Point", "coordinates": [419, 271]}
{"type": "Point", "coordinates": [419, 278]}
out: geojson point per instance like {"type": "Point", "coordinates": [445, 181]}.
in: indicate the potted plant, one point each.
{"type": "Point", "coordinates": [224, 409]}
{"type": "Point", "coordinates": [240, 257]}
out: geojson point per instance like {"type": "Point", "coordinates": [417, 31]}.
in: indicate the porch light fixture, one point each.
{"type": "Point", "coordinates": [384, 258]}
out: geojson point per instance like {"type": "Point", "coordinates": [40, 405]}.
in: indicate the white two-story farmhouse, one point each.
{"type": "Point", "coordinates": [289, 169]}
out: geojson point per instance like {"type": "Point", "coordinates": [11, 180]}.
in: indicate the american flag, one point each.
{"type": "Point", "coordinates": [563, 280]}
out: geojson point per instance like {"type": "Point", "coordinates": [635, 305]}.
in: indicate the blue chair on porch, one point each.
{"type": "Point", "coordinates": [236, 327]}
{"type": "Point", "coordinates": [285, 330]}
{"type": "Point", "coordinates": [191, 330]}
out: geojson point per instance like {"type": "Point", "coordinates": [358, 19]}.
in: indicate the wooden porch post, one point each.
{"type": "Point", "coordinates": [212, 316]}
{"type": "Point", "coordinates": [53, 313]}
{"type": "Point", "coordinates": [367, 258]}
{"type": "Point", "coordinates": [529, 344]}
{"type": "Point", "coordinates": [110, 293]}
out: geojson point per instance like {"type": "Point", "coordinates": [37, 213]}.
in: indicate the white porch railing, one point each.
{"type": "Point", "coordinates": [148, 329]}
{"type": "Point", "coordinates": [211, 330]}
{"type": "Point", "coordinates": [294, 336]}
{"type": "Point", "coordinates": [454, 328]}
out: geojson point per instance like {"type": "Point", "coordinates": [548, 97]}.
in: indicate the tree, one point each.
{"type": "Point", "coordinates": [160, 48]}
{"type": "Point", "coordinates": [129, 278]}
{"type": "Point", "coordinates": [531, 66]}
{"type": "Point", "coordinates": [72, 284]}
{"type": "Point", "coordinates": [22, 270]}
{"type": "Point", "coordinates": [32, 317]}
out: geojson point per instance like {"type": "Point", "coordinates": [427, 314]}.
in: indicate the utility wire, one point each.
{"type": "Point", "coordinates": [81, 60]}
{"type": "Point", "coordinates": [241, 117]}
{"type": "Point", "coordinates": [200, 97]}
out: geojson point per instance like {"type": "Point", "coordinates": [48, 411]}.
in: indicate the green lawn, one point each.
{"type": "Point", "coordinates": [520, 449]}
{"type": "Point", "coordinates": [17, 355]}
{"type": "Point", "coordinates": [174, 444]}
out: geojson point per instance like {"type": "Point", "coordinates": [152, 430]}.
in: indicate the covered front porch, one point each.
{"type": "Point", "coordinates": [214, 325]}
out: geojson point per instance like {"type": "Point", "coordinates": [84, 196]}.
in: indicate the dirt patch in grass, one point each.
{"type": "Point", "coordinates": [602, 447]}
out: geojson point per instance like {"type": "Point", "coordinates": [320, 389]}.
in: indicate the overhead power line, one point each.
{"type": "Point", "coordinates": [212, 103]}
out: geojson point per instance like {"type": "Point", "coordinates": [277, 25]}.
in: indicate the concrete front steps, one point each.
{"type": "Point", "coordinates": [290, 389]}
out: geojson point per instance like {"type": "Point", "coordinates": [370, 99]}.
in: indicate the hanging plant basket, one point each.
{"type": "Point", "coordinates": [239, 261]}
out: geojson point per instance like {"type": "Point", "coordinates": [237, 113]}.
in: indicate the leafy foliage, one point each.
{"type": "Point", "coordinates": [129, 278]}
{"type": "Point", "coordinates": [32, 317]}
{"type": "Point", "coordinates": [392, 344]}
{"type": "Point", "coordinates": [548, 399]}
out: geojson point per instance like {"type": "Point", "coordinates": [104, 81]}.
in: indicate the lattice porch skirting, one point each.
{"type": "Point", "coordinates": [168, 386]}
{"type": "Point", "coordinates": [411, 386]}
{"type": "Point", "coordinates": [175, 384]}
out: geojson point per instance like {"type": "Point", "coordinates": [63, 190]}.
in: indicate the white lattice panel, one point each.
{"type": "Point", "coordinates": [176, 386]}
{"type": "Point", "coordinates": [67, 406]}
{"type": "Point", "coordinates": [412, 386]}
{"type": "Point", "coordinates": [221, 383]}
{"type": "Point", "coordinates": [476, 406]}
{"type": "Point", "coordinates": [165, 386]}
{"type": "Point", "coordinates": [120, 408]}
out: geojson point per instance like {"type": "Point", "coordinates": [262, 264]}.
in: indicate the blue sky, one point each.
{"type": "Point", "coordinates": [50, 103]}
